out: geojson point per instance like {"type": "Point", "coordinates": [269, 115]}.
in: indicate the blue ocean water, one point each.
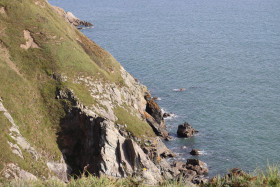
{"type": "Point", "coordinates": [225, 53]}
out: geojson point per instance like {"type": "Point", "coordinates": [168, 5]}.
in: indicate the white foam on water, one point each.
{"type": "Point", "coordinates": [202, 152]}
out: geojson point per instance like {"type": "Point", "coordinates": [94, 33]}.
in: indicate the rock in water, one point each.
{"type": "Point", "coordinates": [165, 115]}
{"type": "Point", "coordinates": [194, 152]}
{"type": "Point", "coordinates": [186, 130]}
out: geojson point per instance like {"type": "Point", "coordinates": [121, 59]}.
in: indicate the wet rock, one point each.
{"type": "Point", "coordinates": [165, 115]}
{"type": "Point", "coordinates": [194, 152]}
{"type": "Point", "coordinates": [186, 130]}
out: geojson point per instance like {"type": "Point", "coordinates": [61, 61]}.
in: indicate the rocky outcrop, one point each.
{"type": "Point", "coordinates": [193, 170]}
{"type": "Point", "coordinates": [30, 43]}
{"type": "Point", "coordinates": [186, 130]}
{"type": "Point", "coordinates": [69, 17]}
{"type": "Point", "coordinates": [198, 166]}
{"type": "Point", "coordinates": [154, 117]}
{"type": "Point", "coordinates": [17, 137]}
{"type": "Point", "coordinates": [92, 142]}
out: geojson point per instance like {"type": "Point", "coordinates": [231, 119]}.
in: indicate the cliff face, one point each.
{"type": "Point", "coordinates": [68, 106]}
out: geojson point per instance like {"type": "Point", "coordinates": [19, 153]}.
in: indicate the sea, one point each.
{"type": "Point", "coordinates": [224, 53]}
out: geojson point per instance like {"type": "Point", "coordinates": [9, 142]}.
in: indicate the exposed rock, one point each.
{"type": "Point", "coordinates": [198, 166]}
{"type": "Point", "coordinates": [91, 141]}
{"type": "Point", "coordinates": [2, 10]}
{"type": "Point", "coordinates": [178, 167]}
{"type": "Point", "coordinates": [76, 21]}
{"type": "Point", "coordinates": [162, 150]}
{"type": "Point", "coordinates": [69, 17]}
{"type": "Point", "coordinates": [159, 129]}
{"type": "Point", "coordinates": [186, 130]}
{"type": "Point", "coordinates": [12, 171]}
{"type": "Point", "coordinates": [153, 109]}
{"type": "Point", "coordinates": [61, 169]}
{"type": "Point", "coordinates": [30, 43]}
{"type": "Point", "coordinates": [42, 4]}
{"type": "Point", "coordinates": [154, 117]}
{"type": "Point", "coordinates": [16, 135]}
{"type": "Point", "coordinates": [194, 152]}
{"type": "Point", "coordinates": [193, 170]}
{"type": "Point", "coordinates": [15, 149]}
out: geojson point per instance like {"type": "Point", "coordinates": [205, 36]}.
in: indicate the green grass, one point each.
{"type": "Point", "coordinates": [89, 181]}
{"type": "Point", "coordinates": [268, 178]}
{"type": "Point", "coordinates": [136, 126]}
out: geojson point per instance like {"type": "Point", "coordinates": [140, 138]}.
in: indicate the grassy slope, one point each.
{"type": "Point", "coordinates": [27, 87]}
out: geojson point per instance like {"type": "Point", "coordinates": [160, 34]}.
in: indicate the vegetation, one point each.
{"type": "Point", "coordinates": [27, 84]}
{"type": "Point", "coordinates": [137, 127]}
{"type": "Point", "coordinates": [269, 178]}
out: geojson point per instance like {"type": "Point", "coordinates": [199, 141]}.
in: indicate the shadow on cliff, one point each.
{"type": "Point", "coordinates": [79, 141]}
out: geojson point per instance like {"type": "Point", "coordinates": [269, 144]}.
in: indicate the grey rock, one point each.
{"type": "Point", "coordinates": [15, 149]}
{"type": "Point", "coordinates": [61, 169]}
{"type": "Point", "coordinates": [69, 17]}
{"type": "Point", "coordinates": [13, 171]}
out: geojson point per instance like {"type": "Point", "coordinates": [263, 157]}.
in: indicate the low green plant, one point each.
{"type": "Point", "coordinates": [136, 126]}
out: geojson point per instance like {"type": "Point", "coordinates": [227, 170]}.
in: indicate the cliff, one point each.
{"type": "Point", "coordinates": [67, 106]}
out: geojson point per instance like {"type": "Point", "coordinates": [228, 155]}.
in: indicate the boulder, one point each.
{"type": "Point", "coordinates": [186, 130]}
{"type": "Point", "coordinates": [194, 152]}
{"type": "Point", "coordinates": [198, 166]}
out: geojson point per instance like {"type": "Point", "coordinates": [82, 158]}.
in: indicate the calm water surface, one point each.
{"type": "Point", "coordinates": [225, 53]}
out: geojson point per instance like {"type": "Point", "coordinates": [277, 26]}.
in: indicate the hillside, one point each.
{"type": "Point", "coordinates": [66, 104]}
